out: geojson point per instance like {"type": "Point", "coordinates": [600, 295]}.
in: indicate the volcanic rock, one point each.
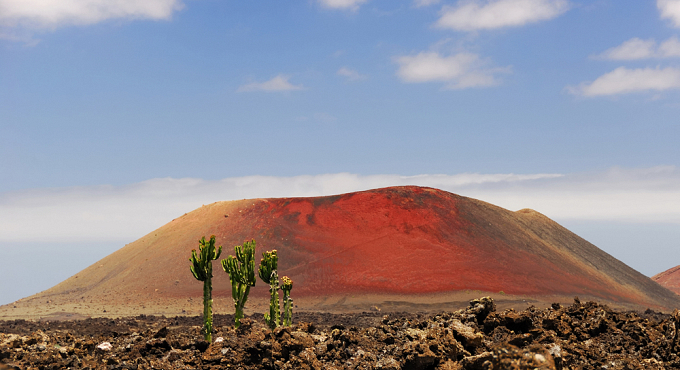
{"type": "Point", "coordinates": [578, 336]}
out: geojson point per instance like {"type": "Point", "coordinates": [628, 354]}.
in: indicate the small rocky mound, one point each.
{"type": "Point", "coordinates": [669, 279]}
{"type": "Point", "coordinates": [579, 336]}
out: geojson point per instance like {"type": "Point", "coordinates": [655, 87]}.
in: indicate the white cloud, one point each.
{"type": "Point", "coordinates": [351, 75]}
{"type": "Point", "coordinates": [460, 71]}
{"type": "Point", "coordinates": [619, 194]}
{"type": "Point", "coordinates": [670, 9]}
{"type": "Point", "coordinates": [342, 4]}
{"type": "Point", "coordinates": [56, 13]}
{"type": "Point", "coordinates": [635, 49]}
{"type": "Point", "coordinates": [276, 84]}
{"type": "Point", "coordinates": [125, 213]}
{"type": "Point", "coordinates": [623, 80]}
{"type": "Point", "coordinates": [423, 3]}
{"type": "Point", "coordinates": [670, 48]}
{"type": "Point", "coordinates": [485, 15]}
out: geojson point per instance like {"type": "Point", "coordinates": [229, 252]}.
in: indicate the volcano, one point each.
{"type": "Point", "coordinates": [669, 279]}
{"type": "Point", "coordinates": [407, 242]}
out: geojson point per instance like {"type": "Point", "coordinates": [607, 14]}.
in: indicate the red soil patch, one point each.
{"type": "Point", "coordinates": [401, 240]}
{"type": "Point", "coordinates": [669, 279]}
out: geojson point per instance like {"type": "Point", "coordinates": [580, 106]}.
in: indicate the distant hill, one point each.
{"type": "Point", "coordinates": [669, 279]}
{"type": "Point", "coordinates": [402, 241]}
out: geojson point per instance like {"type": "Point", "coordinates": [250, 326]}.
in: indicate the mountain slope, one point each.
{"type": "Point", "coordinates": [402, 240]}
{"type": "Point", "coordinates": [669, 279]}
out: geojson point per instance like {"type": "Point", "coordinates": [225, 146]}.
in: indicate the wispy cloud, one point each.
{"type": "Point", "coordinates": [50, 14]}
{"type": "Point", "coordinates": [276, 84]}
{"type": "Point", "coordinates": [125, 213]}
{"type": "Point", "coordinates": [321, 117]}
{"type": "Point", "coordinates": [636, 49]}
{"type": "Point", "coordinates": [351, 74]}
{"type": "Point", "coordinates": [342, 4]}
{"type": "Point", "coordinates": [486, 15]}
{"type": "Point", "coordinates": [459, 71]}
{"type": "Point", "coordinates": [424, 3]}
{"type": "Point", "coordinates": [670, 9]}
{"type": "Point", "coordinates": [624, 80]}
{"type": "Point", "coordinates": [24, 38]}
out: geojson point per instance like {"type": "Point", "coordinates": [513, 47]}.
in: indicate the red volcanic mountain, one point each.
{"type": "Point", "coordinates": [402, 241]}
{"type": "Point", "coordinates": [669, 279]}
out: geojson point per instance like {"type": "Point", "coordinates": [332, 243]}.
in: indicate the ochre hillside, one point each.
{"type": "Point", "coordinates": [400, 241]}
{"type": "Point", "coordinates": [669, 279]}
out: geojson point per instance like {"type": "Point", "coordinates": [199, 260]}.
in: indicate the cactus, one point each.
{"type": "Point", "coordinates": [287, 286]}
{"type": "Point", "coordinates": [269, 275]}
{"type": "Point", "coordinates": [201, 268]}
{"type": "Point", "coordinates": [241, 270]}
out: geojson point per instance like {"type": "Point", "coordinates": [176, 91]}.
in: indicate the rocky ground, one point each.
{"type": "Point", "coordinates": [578, 336]}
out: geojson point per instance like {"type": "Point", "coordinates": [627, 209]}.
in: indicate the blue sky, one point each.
{"type": "Point", "coordinates": [569, 107]}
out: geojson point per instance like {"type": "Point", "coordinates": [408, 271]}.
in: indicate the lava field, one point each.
{"type": "Point", "coordinates": [583, 335]}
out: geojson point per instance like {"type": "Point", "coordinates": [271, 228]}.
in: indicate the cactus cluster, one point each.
{"type": "Point", "coordinates": [268, 272]}
{"type": "Point", "coordinates": [201, 268]}
{"type": "Point", "coordinates": [241, 270]}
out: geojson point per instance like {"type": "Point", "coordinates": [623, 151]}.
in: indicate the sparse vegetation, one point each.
{"type": "Point", "coordinates": [269, 274]}
{"type": "Point", "coordinates": [201, 268]}
{"type": "Point", "coordinates": [241, 270]}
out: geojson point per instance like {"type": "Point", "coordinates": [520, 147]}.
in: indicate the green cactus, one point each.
{"type": "Point", "coordinates": [241, 270]}
{"type": "Point", "coordinates": [201, 268]}
{"type": "Point", "coordinates": [287, 286]}
{"type": "Point", "coordinates": [268, 274]}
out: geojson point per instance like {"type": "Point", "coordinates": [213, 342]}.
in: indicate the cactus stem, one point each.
{"type": "Point", "coordinates": [201, 268]}
{"type": "Point", "coordinates": [241, 270]}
